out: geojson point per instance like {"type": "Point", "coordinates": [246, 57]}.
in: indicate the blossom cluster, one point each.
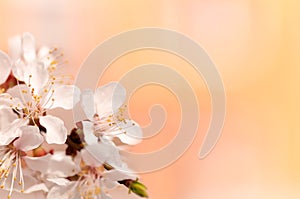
{"type": "Point", "coordinates": [39, 157]}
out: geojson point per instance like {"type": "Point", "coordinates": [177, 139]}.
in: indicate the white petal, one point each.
{"type": "Point", "coordinates": [133, 133]}
{"type": "Point", "coordinates": [28, 45]}
{"type": "Point", "coordinates": [18, 195]}
{"type": "Point", "coordinates": [54, 166]}
{"type": "Point", "coordinates": [59, 181]}
{"type": "Point", "coordinates": [7, 116]}
{"type": "Point", "coordinates": [63, 192]}
{"type": "Point", "coordinates": [105, 195]}
{"type": "Point", "coordinates": [15, 48]}
{"type": "Point", "coordinates": [88, 104]}
{"type": "Point", "coordinates": [40, 164]}
{"type": "Point", "coordinates": [105, 152]}
{"type": "Point", "coordinates": [65, 96]}
{"type": "Point", "coordinates": [56, 130]}
{"type": "Point", "coordinates": [36, 76]}
{"type": "Point", "coordinates": [88, 132]}
{"type": "Point", "coordinates": [109, 98]}
{"type": "Point", "coordinates": [115, 175]}
{"type": "Point", "coordinates": [37, 187]}
{"type": "Point", "coordinates": [5, 67]}
{"type": "Point", "coordinates": [20, 95]}
{"type": "Point", "coordinates": [90, 159]}
{"type": "Point", "coordinates": [62, 165]}
{"type": "Point", "coordinates": [19, 69]}
{"type": "Point", "coordinates": [43, 53]}
{"type": "Point", "coordinates": [29, 139]}
{"type": "Point", "coordinates": [12, 131]}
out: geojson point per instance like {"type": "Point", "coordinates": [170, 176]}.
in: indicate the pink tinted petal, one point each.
{"type": "Point", "coordinates": [109, 98]}
{"type": "Point", "coordinates": [29, 139]}
{"type": "Point", "coordinates": [65, 96]}
{"type": "Point", "coordinates": [5, 67]}
{"type": "Point", "coordinates": [28, 45]}
{"type": "Point", "coordinates": [56, 130]}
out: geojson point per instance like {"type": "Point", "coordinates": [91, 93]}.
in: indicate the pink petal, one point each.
{"type": "Point", "coordinates": [56, 130]}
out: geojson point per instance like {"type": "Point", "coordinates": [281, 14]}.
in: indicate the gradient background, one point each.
{"type": "Point", "coordinates": [254, 43]}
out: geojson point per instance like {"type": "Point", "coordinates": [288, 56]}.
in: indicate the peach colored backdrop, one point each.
{"type": "Point", "coordinates": [255, 45]}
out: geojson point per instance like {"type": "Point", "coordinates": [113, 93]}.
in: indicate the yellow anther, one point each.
{"type": "Point", "coordinates": [54, 62]}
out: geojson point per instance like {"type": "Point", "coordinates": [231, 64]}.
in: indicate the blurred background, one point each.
{"type": "Point", "coordinates": [255, 45]}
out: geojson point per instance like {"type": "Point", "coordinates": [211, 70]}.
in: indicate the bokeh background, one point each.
{"type": "Point", "coordinates": [255, 45]}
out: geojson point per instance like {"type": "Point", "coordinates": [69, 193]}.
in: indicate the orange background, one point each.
{"type": "Point", "coordinates": [254, 43]}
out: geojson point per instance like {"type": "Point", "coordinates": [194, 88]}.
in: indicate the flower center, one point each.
{"type": "Point", "coordinates": [88, 183]}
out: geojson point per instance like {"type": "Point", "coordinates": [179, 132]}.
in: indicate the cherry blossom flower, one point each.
{"type": "Point", "coordinates": [93, 180]}
{"type": "Point", "coordinates": [14, 143]}
{"type": "Point", "coordinates": [105, 115]}
{"type": "Point", "coordinates": [91, 166]}
{"type": "Point", "coordinates": [31, 65]}
{"type": "Point", "coordinates": [33, 107]}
